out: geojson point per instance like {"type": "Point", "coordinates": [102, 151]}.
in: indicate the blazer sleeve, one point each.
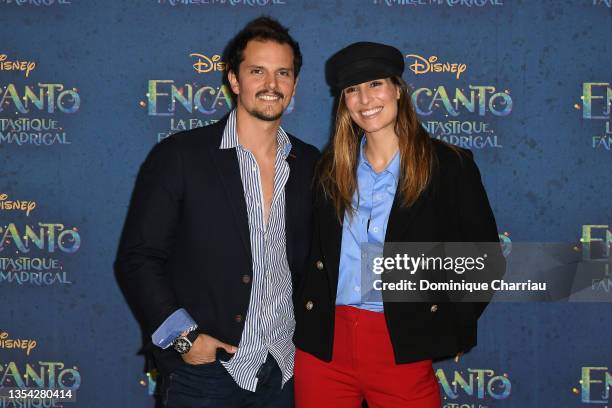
{"type": "Point", "coordinates": [478, 223]}
{"type": "Point", "coordinates": [477, 220]}
{"type": "Point", "coordinates": [149, 234]}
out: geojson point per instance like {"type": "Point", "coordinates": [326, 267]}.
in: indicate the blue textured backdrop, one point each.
{"type": "Point", "coordinates": [545, 164]}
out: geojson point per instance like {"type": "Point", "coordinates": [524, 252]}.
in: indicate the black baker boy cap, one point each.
{"type": "Point", "coordinates": [362, 62]}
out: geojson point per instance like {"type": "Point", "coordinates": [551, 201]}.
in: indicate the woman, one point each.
{"type": "Point", "coordinates": [382, 179]}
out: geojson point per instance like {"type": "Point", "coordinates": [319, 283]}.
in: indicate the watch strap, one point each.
{"type": "Point", "coordinates": [193, 335]}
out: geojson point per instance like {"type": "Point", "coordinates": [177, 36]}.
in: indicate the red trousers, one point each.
{"type": "Point", "coordinates": [363, 367]}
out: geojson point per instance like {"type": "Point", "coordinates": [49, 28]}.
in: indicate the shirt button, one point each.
{"type": "Point", "coordinates": [434, 308]}
{"type": "Point", "coordinates": [238, 318]}
{"type": "Point", "coordinates": [246, 279]}
{"type": "Point", "coordinates": [357, 288]}
{"type": "Point", "coordinates": [319, 265]}
{"type": "Point", "coordinates": [254, 168]}
{"type": "Point", "coordinates": [375, 229]}
{"type": "Point", "coordinates": [309, 305]}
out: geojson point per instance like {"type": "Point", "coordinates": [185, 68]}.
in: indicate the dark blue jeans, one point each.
{"type": "Point", "coordinates": [210, 385]}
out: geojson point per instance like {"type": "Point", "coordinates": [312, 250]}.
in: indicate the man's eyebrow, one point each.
{"type": "Point", "coordinates": [262, 67]}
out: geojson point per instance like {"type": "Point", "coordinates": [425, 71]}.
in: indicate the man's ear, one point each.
{"type": "Point", "coordinates": [233, 81]}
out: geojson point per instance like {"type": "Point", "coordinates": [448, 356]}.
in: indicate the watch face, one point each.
{"type": "Point", "coordinates": [182, 345]}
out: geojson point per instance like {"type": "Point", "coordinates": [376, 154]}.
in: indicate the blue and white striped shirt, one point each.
{"type": "Point", "coordinates": [270, 323]}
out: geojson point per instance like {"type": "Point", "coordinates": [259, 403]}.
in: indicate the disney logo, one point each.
{"type": "Point", "coordinates": [423, 65]}
{"type": "Point", "coordinates": [205, 64]}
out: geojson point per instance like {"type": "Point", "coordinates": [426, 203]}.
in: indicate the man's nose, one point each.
{"type": "Point", "coordinates": [271, 81]}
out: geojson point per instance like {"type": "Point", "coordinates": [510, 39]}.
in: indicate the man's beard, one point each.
{"type": "Point", "coordinates": [264, 115]}
{"type": "Point", "coordinates": [269, 117]}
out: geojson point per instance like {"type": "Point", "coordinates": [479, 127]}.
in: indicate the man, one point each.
{"type": "Point", "coordinates": [217, 231]}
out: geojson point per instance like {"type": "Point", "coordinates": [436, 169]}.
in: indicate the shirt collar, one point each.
{"type": "Point", "coordinates": [230, 136]}
{"type": "Point", "coordinates": [392, 168]}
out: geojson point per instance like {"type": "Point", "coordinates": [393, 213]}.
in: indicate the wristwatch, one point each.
{"type": "Point", "coordinates": [183, 343]}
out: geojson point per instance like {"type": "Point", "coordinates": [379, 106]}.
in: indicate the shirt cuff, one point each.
{"type": "Point", "coordinates": [177, 323]}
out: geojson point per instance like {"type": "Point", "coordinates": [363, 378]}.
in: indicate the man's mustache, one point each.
{"type": "Point", "coordinates": [274, 93]}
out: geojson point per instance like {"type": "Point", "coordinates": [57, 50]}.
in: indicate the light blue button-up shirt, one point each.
{"type": "Point", "coordinates": [372, 202]}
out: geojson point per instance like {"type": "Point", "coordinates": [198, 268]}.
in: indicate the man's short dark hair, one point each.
{"type": "Point", "coordinates": [262, 28]}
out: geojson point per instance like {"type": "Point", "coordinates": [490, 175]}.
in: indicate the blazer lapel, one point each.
{"type": "Point", "coordinates": [330, 236]}
{"type": "Point", "coordinates": [226, 162]}
{"type": "Point", "coordinates": [291, 204]}
{"type": "Point", "coordinates": [400, 217]}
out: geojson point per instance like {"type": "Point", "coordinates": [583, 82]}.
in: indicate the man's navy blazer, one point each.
{"type": "Point", "coordinates": [185, 242]}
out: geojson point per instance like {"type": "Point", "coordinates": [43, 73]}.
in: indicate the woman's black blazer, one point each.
{"type": "Point", "coordinates": [454, 208]}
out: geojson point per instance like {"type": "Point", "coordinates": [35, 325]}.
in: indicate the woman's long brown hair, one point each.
{"type": "Point", "coordinates": [337, 171]}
